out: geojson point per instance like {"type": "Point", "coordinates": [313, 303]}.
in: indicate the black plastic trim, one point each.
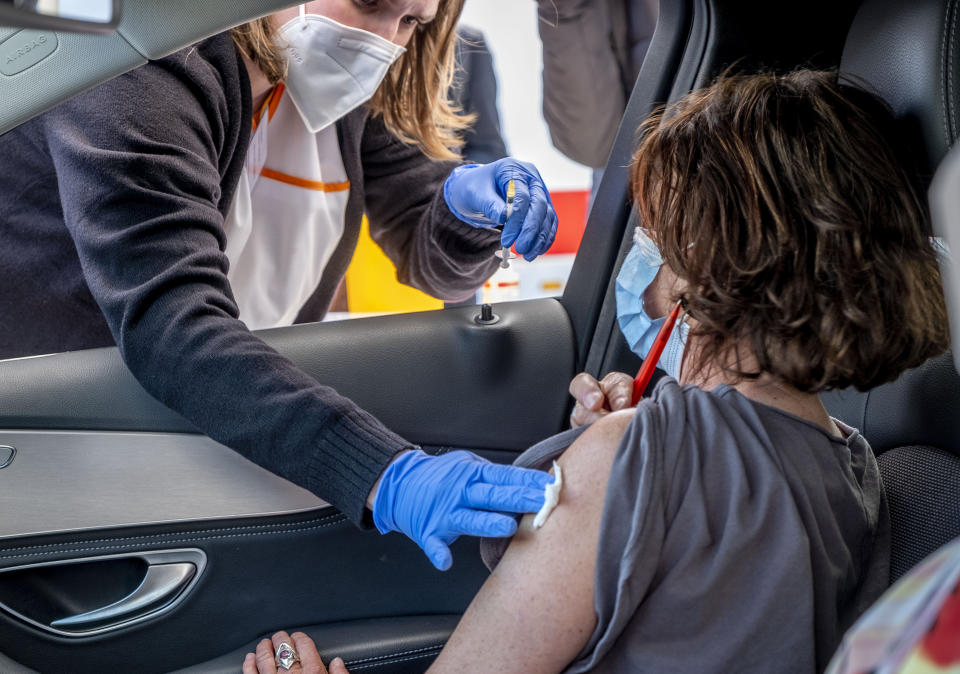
{"type": "Point", "coordinates": [385, 646]}
{"type": "Point", "coordinates": [405, 369]}
{"type": "Point", "coordinates": [592, 270]}
{"type": "Point", "coordinates": [341, 574]}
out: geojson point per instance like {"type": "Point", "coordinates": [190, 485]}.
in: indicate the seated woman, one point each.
{"type": "Point", "coordinates": [728, 523]}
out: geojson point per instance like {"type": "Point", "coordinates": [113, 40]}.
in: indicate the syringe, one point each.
{"type": "Point", "coordinates": [504, 253]}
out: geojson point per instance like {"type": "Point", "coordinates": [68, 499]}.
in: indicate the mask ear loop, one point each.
{"type": "Point", "coordinates": [303, 14]}
{"type": "Point", "coordinates": [683, 319]}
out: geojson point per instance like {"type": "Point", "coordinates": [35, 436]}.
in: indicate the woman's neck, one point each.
{"type": "Point", "coordinates": [260, 86]}
{"type": "Point", "coordinates": [807, 406]}
{"type": "Point", "coordinates": [766, 390]}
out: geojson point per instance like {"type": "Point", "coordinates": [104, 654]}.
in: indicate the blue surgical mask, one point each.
{"type": "Point", "coordinates": [637, 273]}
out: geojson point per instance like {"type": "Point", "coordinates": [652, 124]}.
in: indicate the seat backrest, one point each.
{"type": "Point", "coordinates": [913, 425]}
{"type": "Point", "coordinates": [907, 52]}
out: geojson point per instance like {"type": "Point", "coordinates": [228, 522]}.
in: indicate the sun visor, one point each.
{"type": "Point", "coordinates": [40, 68]}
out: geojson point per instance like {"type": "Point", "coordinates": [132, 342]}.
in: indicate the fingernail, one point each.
{"type": "Point", "coordinates": [592, 399]}
{"type": "Point", "coordinates": [620, 402]}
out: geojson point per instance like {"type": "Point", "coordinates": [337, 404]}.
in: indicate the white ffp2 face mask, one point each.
{"type": "Point", "coordinates": [331, 68]}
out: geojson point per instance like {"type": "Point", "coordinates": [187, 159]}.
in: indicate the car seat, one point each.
{"type": "Point", "coordinates": [907, 52]}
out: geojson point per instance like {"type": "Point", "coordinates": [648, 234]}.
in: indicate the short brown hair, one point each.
{"type": "Point", "coordinates": [796, 228]}
{"type": "Point", "coordinates": [413, 98]}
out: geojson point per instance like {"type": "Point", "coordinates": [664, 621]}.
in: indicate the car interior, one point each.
{"type": "Point", "coordinates": [128, 537]}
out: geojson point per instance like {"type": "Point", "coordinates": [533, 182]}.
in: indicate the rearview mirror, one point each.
{"type": "Point", "coordinates": [87, 16]}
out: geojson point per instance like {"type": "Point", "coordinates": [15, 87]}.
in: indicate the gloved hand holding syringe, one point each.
{"type": "Point", "coordinates": [480, 196]}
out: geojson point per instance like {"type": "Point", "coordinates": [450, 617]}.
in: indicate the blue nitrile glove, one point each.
{"type": "Point", "coordinates": [476, 193]}
{"type": "Point", "coordinates": [436, 499]}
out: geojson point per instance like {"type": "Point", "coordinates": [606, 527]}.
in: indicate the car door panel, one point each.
{"type": "Point", "coordinates": [84, 480]}
{"type": "Point", "coordinates": [82, 597]}
{"type": "Point", "coordinates": [261, 574]}
{"type": "Point", "coordinates": [401, 368]}
{"type": "Point", "coordinates": [104, 472]}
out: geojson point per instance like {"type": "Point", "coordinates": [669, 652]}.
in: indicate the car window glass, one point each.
{"type": "Point", "coordinates": [507, 30]}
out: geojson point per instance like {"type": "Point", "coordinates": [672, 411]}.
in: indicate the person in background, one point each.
{"type": "Point", "coordinates": [728, 523]}
{"type": "Point", "coordinates": [475, 92]}
{"type": "Point", "coordinates": [592, 53]}
{"type": "Point", "coordinates": [177, 207]}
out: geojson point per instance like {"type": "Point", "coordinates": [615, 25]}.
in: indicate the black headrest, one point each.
{"type": "Point", "coordinates": [919, 408]}
{"type": "Point", "coordinates": [907, 52]}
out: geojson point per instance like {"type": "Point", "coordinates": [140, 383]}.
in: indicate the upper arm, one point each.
{"type": "Point", "coordinates": [140, 189]}
{"type": "Point", "coordinates": [536, 612]}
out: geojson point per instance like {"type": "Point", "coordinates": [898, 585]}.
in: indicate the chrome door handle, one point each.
{"type": "Point", "coordinates": [160, 585]}
{"type": "Point", "coordinates": [61, 597]}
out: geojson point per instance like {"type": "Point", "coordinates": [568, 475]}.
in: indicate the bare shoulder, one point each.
{"type": "Point", "coordinates": [586, 466]}
{"type": "Point", "coordinates": [591, 456]}
{"type": "Point", "coordinates": [535, 612]}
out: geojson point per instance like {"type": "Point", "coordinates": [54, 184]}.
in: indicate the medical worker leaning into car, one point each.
{"type": "Point", "coordinates": [328, 70]}
{"type": "Point", "coordinates": [174, 208]}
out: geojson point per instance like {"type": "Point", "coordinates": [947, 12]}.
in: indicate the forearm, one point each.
{"type": "Point", "coordinates": [432, 250]}
{"type": "Point", "coordinates": [173, 317]}
{"type": "Point", "coordinates": [240, 392]}
{"type": "Point", "coordinates": [447, 258]}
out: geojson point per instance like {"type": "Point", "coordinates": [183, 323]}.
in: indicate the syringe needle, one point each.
{"type": "Point", "coordinates": [504, 252]}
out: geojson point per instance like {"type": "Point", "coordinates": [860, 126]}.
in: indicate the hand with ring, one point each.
{"type": "Point", "coordinates": [294, 653]}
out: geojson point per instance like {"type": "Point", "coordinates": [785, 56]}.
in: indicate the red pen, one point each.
{"type": "Point", "coordinates": [650, 362]}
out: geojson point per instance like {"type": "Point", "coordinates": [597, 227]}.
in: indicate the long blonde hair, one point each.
{"type": "Point", "coordinates": [414, 96]}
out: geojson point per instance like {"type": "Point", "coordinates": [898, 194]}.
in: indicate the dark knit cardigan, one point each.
{"type": "Point", "coordinates": [111, 232]}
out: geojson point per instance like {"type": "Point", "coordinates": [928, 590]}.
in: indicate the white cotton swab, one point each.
{"type": "Point", "coordinates": [551, 495]}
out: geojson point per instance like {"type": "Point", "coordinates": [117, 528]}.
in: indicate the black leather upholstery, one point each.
{"type": "Point", "coordinates": [919, 408]}
{"type": "Point", "coordinates": [922, 486]}
{"type": "Point", "coordinates": [907, 51]}
{"type": "Point", "coordinates": [913, 426]}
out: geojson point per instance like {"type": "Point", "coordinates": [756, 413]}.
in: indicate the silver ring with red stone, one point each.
{"type": "Point", "coordinates": [286, 656]}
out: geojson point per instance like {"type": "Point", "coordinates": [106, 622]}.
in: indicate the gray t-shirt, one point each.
{"type": "Point", "coordinates": [735, 538]}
